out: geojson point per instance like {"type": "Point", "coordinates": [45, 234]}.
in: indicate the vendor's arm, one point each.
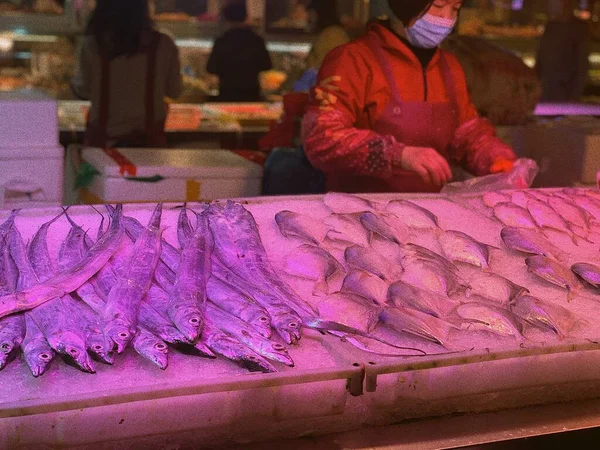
{"type": "Point", "coordinates": [475, 143]}
{"type": "Point", "coordinates": [331, 139]}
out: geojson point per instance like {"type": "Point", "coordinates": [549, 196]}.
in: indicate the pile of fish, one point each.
{"type": "Point", "coordinates": [216, 294]}
{"type": "Point", "coordinates": [428, 292]}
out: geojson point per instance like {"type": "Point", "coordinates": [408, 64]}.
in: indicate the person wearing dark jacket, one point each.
{"type": "Point", "coordinates": [238, 57]}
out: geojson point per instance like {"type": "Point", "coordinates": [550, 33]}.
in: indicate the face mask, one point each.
{"type": "Point", "coordinates": [430, 31]}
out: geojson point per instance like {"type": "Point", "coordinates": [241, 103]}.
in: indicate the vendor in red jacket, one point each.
{"type": "Point", "coordinates": [391, 110]}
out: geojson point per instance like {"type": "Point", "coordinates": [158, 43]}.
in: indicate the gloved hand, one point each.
{"type": "Point", "coordinates": [502, 165]}
{"type": "Point", "coordinates": [429, 164]}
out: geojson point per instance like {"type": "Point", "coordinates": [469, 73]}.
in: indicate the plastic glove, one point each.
{"type": "Point", "coordinates": [502, 165]}
{"type": "Point", "coordinates": [429, 164]}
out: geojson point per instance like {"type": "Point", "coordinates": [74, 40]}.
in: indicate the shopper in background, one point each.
{"type": "Point", "coordinates": [126, 68]}
{"type": "Point", "coordinates": [563, 57]}
{"type": "Point", "coordinates": [391, 110]}
{"type": "Point", "coordinates": [330, 35]}
{"type": "Point", "coordinates": [238, 57]}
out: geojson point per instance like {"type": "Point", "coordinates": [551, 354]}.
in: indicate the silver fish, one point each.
{"type": "Point", "coordinates": [569, 211]}
{"type": "Point", "coordinates": [120, 315]}
{"type": "Point", "coordinates": [346, 229]}
{"type": "Point", "coordinates": [315, 264]}
{"type": "Point", "coordinates": [412, 251]}
{"type": "Point", "coordinates": [491, 318]}
{"type": "Point", "coordinates": [151, 348]}
{"type": "Point", "coordinates": [417, 324]}
{"type": "Point", "coordinates": [514, 216]}
{"type": "Point", "coordinates": [432, 277]}
{"type": "Point", "coordinates": [184, 227]}
{"type": "Point", "coordinates": [545, 217]}
{"type": "Point", "coordinates": [588, 272]}
{"type": "Point", "coordinates": [61, 330]}
{"type": "Point", "coordinates": [153, 317]}
{"type": "Point", "coordinates": [494, 287]}
{"type": "Point", "coordinates": [36, 351]}
{"type": "Point", "coordinates": [387, 225]}
{"type": "Point", "coordinates": [244, 333]}
{"type": "Point", "coordinates": [351, 310]}
{"type": "Point", "coordinates": [235, 302]}
{"type": "Point", "coordinates": [404, 295]}
{"type": "Point", "coordinates": [366, 285]}
{"type": "Point", "coordinates": [491, 199]}
{"type": "Point", "coordinates": [189, 300]}
{"type": "Point", "coordinates": [528, 241]}
{"type": "Point", "coordinates": [553, 272]}
{"type": "Point", "coordinates": [69, 280]}
{"type": "Point", "coordinates": [521, 198]}
{"type": "Point", "coordinates": [229, 347]}
{"type": "Point", "coordinates": [460, 247]}
{"type": "Point", "coordinates": [340, 203]}
{"type": "Point", "coordinates": [368, 259]}
{"type": "Point", "coordinates": [413, 215]}
{"type": "Point", "coordinates": [239, 247]}
{"type": "Point", "coordinates": [284, 319]}
{"type": "Point", "coordinates": [543, 315]}
{"type": "Point", "coordinates": [300, 226]}
{"type": "Point", "coordinates": [588, 204]}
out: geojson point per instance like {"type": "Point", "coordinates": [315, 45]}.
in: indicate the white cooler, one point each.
{"type": "Point", "coordinates": [169, 175]}
{"type": "Point", "coordinates": [31, 159]}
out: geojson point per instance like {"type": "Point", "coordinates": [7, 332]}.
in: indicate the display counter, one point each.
{"type": "Point", "coordinates": [334, 386]}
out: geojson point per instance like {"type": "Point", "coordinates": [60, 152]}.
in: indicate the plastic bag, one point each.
{"type": "Point", "coordinates": [521, 177]}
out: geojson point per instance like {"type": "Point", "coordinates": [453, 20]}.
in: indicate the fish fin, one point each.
{"type": "Point", "coordinates": [362, 347]}
{"type": "Point", "coordinates": [571, 295]}
{"type": "Point", "coordinates": [321, 289]}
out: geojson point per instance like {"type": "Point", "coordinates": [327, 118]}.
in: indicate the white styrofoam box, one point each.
{"type": "Point", "coordinates": [29, 118]}
{"type": "Point", "coordinates": [32, 175]}
{"type": "Point", "coordinates": [173, 175]}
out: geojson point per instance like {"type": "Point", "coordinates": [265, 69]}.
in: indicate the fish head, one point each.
{"type": "Point", "coordinates": [119, 335]}
{"type": "Point", "coordinates": [189, 322]}
{"type": "Point", "coordinates": [78, 354]}
{"type": "Point", "coordinates": [7, 347]}
{"type": "Point", "coordinates": [288, 326]}
{"type": "Point", "coordinates": [99, 347]}
{"type": "Point", "coordinates": [255, 363]}
{"type": "Point", "coordinates": [3, 360]}
{"type": "Point", "coordinates": [39, 361]}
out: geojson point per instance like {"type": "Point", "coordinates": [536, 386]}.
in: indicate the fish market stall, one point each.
{"type": "Point", "coordinates": [187, 124]}
{"type": "Point", "coordinates": [409, 307]}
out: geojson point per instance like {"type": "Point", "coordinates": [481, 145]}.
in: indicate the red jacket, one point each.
{"type": "Point", "coordinates": [352, 93]}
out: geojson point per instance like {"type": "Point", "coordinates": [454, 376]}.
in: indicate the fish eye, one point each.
{"type": "Point", "coordinates": [194, 321]}
{"type": "Point", "coordinates": [278, 347]}
{"type": "Point", "coordinates": [124, 335]}
{"type": "Point", "coordinates": [44, 356]}
{"type": "Point", "coordinates": [6, 347]}
{"type": "Point", "coordinates": [263, 320]}
{"type": "Point", "coordinates": [160, 347]}
{"type": "Point", "coordinates": [293, 325]}
{"type": "Point", "coordinates": [97, 347]}
{"type": "Point", "coordinates": [73, 351]}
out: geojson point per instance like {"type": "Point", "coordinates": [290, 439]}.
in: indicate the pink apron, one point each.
{"type": "Point", "coordinates": [415, 124]}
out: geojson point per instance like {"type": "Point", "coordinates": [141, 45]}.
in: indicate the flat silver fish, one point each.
{"type": "Point", "coordinates": [543, 315]}
{"type": "Point", "coordinates": [528, 241]}
{"type": "Point", "coordinates": [413, 215]}
{"type": "Point", "coordinates": [488, 317]}
{"type": "Point", "coordinates": [371, 261]}
{"type": "Point", "coordinates": [545, 217]}
{"type": "Point", "coordinates": [588, 272]}
{"type": "Point", "coordinates": [350, 310]}
{"type": "Point", "coordinates": [553, 272]}
{"type": "Point", "coordinates": [151, 348]}
{"type": "Point", "coordinates": [417, 324]}
{"type": "Point", "coordinates": [366, 285]}
{"type": "Point", "coordinates": [406, 296]}
{"type": "Point", "coordinates": [520, 198]}
{"type": "Point", "coordinates": [569, 211]}
{"type": "Point", "coordinates": [340, 203]}
{"type": "Point", "coordinates": [460, 247]}
{"type": "Point", "coordinates": [514, 216]}
{"type": "Point", "coordinates": [588, 204]}
{"type": "Point", "coordinates": [301, 226]}
{"type": "Point", "coordinates": [347, 229]}
{"type": "Point", "coordinates": [387, 225]}
{"type": "Point", "coordinates": [491, 199]}
{"type": "Point", "coordinates": [494, 287]}
{"type": "Point", "coordinates": [313, 263]}
{"type": "Point", "coordinates": [432, 277]}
